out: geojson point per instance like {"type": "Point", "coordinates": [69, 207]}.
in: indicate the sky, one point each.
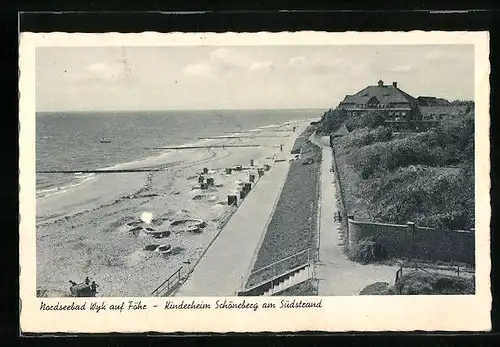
{"type": "Point", "coordinates": [242, 77]}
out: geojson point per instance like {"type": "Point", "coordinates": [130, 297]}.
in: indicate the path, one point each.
{"type": "Point", "coordinates": [338, 275]}
{"type": "Point", "coordinates": [227, 261]}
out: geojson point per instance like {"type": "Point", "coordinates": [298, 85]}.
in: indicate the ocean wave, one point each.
{"type": "Point", "coordinates": [78, 181]}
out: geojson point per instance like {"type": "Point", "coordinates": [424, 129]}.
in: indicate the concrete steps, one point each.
{"type": "Point", "coordinates": [294, 279]}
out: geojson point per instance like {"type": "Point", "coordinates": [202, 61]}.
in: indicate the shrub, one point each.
{"type": "Point", "coordinates": [368, 119]}
{"type": "Point", "coordinates": [331, 121]}
{"type": "Point", "coordinates": [364, 137]}
{"type": "Point", "coordinates": [377, 288]}
{"type": "Point", "coordinates": [418, 283]}
{"type": "Point", "coordinates": [367, 251]}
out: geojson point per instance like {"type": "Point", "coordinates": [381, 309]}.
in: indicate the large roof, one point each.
{"type": "Point", "coordinates": [385, 94]}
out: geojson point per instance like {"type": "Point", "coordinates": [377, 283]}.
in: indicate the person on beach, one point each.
{"type": "Point", "coordinates": [87, 281]}
{"type": "Point", "coordinates": [73, 283]}
{"type": "Point", "coordinates": [293, 129]}
{"type": "Point", "coordinates": [93, 288]}
{"type": "Point", "coordinates": [281, 148]}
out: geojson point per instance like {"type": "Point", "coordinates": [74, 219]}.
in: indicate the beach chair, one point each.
{"type": "Point", "coordinates": [81, 290]}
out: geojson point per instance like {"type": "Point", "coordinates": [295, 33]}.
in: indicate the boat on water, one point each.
{"type": "Point", "coordinates": [105, 141]}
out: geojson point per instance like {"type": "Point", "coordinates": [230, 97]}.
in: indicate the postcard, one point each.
{"type": "Point", "coordinates": [254, 182]}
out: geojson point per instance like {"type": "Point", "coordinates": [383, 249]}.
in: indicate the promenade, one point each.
{"type": "Point", "coordinates": [336, 274]}
{"type": "Point", "coordinates": [221, 270]}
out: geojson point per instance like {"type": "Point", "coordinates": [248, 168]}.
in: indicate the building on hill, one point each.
{"type": "Point", "coordinates": [392, 102]}
{"type": "Point", "coordinates": [432, 101]}
{"type": "Point", "coordinates": [443, 102]}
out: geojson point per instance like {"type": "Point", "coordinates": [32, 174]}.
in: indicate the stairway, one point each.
{"type": "Point", "coordinates": [295, 278]}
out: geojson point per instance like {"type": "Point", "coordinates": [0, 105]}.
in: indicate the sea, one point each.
{"type": "Point", "coordinates": [73, 140]}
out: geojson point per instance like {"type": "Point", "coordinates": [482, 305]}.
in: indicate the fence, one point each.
{"type": "Point", "coordinates": [340, 194]}
{"type": "Point", "coordinates": [169, 285]}
{"type": "Point", "coordinates": [413, 242]}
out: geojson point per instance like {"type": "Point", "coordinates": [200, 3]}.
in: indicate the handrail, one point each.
{"type": "Point", "coordinates": [279, 261]}
{"type": "Point", "coordinates": [305, 265]}
{"type": "Point", "coordinates": [155, 292]}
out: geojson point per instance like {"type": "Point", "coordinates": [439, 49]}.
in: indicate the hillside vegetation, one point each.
{"type": "Point", "coordinates": [421, 283]}
{"type": "Point", "coordinates": [423, 177]}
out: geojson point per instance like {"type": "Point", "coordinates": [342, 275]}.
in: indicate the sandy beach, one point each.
{"type": "Point", "coordinates": [90, 228]}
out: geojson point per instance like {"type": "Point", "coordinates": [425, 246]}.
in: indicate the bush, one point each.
{"type": "Point", "coordinates": [367, 251]}
{"type": "Point", "coordinates": [368, 119]}
{"type": "Point", "coordinates": [363, 137]}
{"type": "Point", "coordinates": [397, 180]}
{"type": "Point", "coordinates": [378, 288]}
{"type": "Point", "coordinates": [331, 121]}
{"type": "Point", "coordinates": [418, 283]}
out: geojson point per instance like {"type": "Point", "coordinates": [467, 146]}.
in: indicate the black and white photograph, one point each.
{"type": "Point", "coordinates": [237, 171]}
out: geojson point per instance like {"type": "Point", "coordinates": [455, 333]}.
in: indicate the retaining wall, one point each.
{"type": "Point", "coordinates": [410, 241]}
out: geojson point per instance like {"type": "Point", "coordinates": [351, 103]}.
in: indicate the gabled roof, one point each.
{"type": "Point", "coordinates": [432, 101]}
{"type": "Point", "coordinates": [385, 94]}
{"type": "Point", "coordinates": [443, 102]}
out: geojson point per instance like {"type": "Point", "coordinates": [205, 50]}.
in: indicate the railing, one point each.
{"type": "Point", "coordinates": [169, 284]}
{"type": "Point", "coordinates": [278, 268]}
{"type": "Point", "coordinates": [460, 271]}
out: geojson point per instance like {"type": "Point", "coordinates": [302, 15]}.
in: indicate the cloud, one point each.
{"type": "Point", "coordinates": [97, 73]}
{"type": "Point", "coordinates": [223, 59]}
{"type": "Point", "coordinates": [448, 53]}
{"type": "Point", "coordinates": [227, 63]}
{"type": "Point", "coordinates": [108, 70]}
{"type": "Point", "coordinates": [400, 68]}
{"type": "Point", "coordinates": [261, 65]}
{"type": "Point", "coordinates": [298, 61]}
{"type": "Point", "coordinates": [222, 54]}
{"type": "Point", "coordinates": [201, 69]}
{"type": "Point", "coordinates": [319, 64]}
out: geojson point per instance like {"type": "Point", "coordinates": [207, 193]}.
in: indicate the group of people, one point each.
{"type": "Point", "coordinates": [337, 217]}
{"type": "Point", "coordinates": [93, 286]}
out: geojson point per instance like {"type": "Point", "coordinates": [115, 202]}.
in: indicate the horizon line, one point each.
{"type": "Point", "coordinates": [187, 110]}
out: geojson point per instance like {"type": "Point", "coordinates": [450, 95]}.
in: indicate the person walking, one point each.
{"type": "Point", "coordinates": [281, 148]}
{"type": "Point", "coordinates": [93, 288]}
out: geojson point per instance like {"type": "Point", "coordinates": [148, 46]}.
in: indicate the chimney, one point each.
{"type": "Point", "coordinates": [395, 84]}
{"type": "Point", "coordinates": [380, 83]}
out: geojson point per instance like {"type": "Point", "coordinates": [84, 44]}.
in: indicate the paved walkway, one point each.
{"type": "Point", "coordinates": [338, 275]}
{"type": "Point", "coordinates": [227, 261]}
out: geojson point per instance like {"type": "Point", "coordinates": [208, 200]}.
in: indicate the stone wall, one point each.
{"type": "Point", "coordinates": [413, 242]}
